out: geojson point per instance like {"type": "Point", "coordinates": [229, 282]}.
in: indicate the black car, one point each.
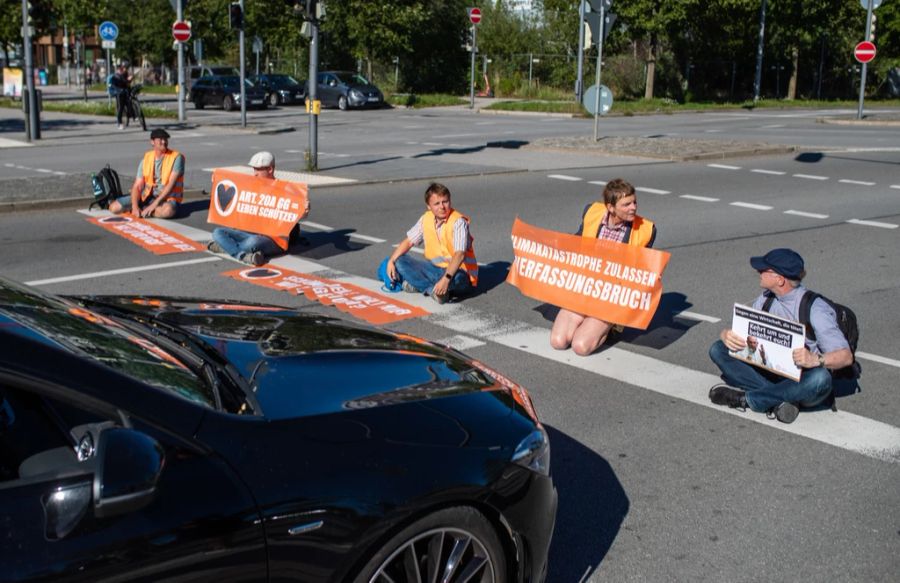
{"type": "Point", "coordinates": [282, 89]}
{"type": "Point", "coordinates": [225, 91]}
{"type": "Point", "coordinates": [345, 89]}
{"type": "Point", "coordinates": [160, 439]}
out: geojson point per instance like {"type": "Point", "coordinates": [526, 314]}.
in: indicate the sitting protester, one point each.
{"type": "Point", "coordinates": [159, 185]}
{"type": "Point", "coordinates": [252, 248]}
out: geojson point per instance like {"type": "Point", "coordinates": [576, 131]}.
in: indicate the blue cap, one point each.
{"type": "Point", "coordinates": [786, 262]}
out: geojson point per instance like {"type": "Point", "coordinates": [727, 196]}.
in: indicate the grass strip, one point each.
{"type": "Point", "coordinates": [91, 108]}
{"type": "Point", "coordinates": [425, 100]}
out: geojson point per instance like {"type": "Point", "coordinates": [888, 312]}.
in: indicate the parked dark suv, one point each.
{"type": "Point", "coordinates": [282, 89]}
{"type": "Point", "coordinates": [225, 91]}
{"type": "Point", "coordinates": [161, 439]}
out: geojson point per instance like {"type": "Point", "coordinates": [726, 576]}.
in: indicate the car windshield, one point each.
{"type": "Point", "coordinates": [64, 324]}
{"type": "Point", "coordinates": [283, 81]}
{"type": "Point", "coordinates": [351, 78]}
{"type": "Point", "coordinates": [223, 71]}
{"type": "Point", "coordinates": [233, 81]}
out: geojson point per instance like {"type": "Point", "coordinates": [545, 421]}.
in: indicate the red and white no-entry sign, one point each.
{"type": "Point", "coordinates": [475, 15]}
{"type": "Point", "coordinates": [864, 51]}
{"type": "Point", "coordinates": [181, 30]}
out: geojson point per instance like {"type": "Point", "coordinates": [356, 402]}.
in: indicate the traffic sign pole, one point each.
{"type": "Point", "coordinates": [243, 73]}
{"type": "Point", "coordinates": [474, 18]}
{"type": "Point", "coordinates": [599, 62]}
{"type": "Point", "coordinates": [179, 17]}
{"type": "Point", "coordinates": [862, 77]}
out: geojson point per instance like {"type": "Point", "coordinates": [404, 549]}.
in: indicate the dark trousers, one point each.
{"type": "Point", "coordinates": [121, 104]}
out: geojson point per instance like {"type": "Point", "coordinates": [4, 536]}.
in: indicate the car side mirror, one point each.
{"type": "Point", "coordinates": [129, 464]}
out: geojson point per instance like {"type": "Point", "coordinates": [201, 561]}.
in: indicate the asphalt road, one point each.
{"type": "Point", "coordinates": [655, 483]}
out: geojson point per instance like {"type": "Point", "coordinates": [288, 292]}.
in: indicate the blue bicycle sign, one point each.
{"type": "Point", "coordinates": [109, 30]}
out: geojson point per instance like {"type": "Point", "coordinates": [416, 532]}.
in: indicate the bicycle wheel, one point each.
{"type": "Point", "coordinates": [140, 114]}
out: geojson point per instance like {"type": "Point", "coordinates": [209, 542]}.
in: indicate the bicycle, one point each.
{"type": "Point", "coordinates": [133, 108]}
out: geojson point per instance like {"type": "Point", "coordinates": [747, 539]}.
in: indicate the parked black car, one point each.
{"type": "Point", "coordinates": [160, 439]}
{"type": "Point", "coordinates": [225, 91]}
{"type": "Point", "coordinates": [345, 89]}
{"type": "Point", "coordinates": [281, 89]}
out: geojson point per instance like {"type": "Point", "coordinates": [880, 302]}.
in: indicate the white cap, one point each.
{"type": "Point", "coordinates": [262, 160]}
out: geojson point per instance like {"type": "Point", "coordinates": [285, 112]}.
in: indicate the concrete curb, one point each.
{"type": "Point", "coordinates": [858, 122]}
{"type": "Point", "coordinates": [76, 202]}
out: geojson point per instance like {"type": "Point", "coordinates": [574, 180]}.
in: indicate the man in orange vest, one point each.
{"type": "Point", "coordinates": [613, 219]}
{"type": "Point", "coordinates": [159, 185]}
{"type": "Point", "coordinates": [450, 265]}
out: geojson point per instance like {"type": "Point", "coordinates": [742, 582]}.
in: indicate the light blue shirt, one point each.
{"type": "Point", "coordinates": [822, 318]}
{"type": "Point", "coordinates": [177, 170]}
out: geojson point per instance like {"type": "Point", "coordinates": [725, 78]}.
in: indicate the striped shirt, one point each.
{"type": "Point", "coordinates": [460, 233]}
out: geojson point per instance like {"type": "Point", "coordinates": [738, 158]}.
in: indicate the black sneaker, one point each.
{"type": "Point", "coordinates": [786, 412]}
{"type": "Point", "coordinates": [727, 395]}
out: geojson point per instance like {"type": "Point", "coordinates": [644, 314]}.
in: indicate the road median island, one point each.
{"type": "Point", "coordinates": [666, 148]}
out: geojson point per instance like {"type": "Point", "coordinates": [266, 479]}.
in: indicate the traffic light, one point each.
{"type": "Point", "coordinates": [872, 30]}
{"type": "Point", "coordinates": [237, 16]}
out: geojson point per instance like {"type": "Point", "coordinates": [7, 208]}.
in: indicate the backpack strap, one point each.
{"type": "Point", "coordinates": [767, 305]}
{"type": "Point", "coordinates": [806, 303]}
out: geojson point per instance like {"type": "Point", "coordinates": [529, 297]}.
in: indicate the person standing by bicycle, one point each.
{"type": "Point", "coordinates": [118, 86]}
{"type": "Point", "coordinates": [159, 185]}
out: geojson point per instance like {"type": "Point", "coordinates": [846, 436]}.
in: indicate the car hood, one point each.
{"type": "Point", "coordinates": [301, 364]}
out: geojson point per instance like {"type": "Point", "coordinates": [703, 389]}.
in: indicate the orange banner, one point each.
{"type": "Point", "coordinates": [348, 298]}
{"type": "Point", "coordinates": [148, 235]}
{"type": "Point", "coordinates": [610, 281]}
{"type": "Point", "coordinates": [263, 206]}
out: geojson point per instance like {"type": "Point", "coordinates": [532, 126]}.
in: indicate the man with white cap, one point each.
{"type": "Point", "coordinates": [252, 248]}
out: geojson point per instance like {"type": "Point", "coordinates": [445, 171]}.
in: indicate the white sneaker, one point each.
{"type": "Point", "coordinates": [120, 126]}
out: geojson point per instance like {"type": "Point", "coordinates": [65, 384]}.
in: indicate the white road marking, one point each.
{"type": "Point", "coordinates": [564, 177]}
{"type": "Point", "coordinates": [432, 144]}
{"type": "Point", "coordinates": [461, 342]}
{"type": "Point", "coordinates": [7, 143]}
{"type": "Point", "coordinates": [859, 182]}
{"type": "Point", "coordinates": [750, 205]}
{"type": "Point", "coordinates": [293, 151]}
{"type": "Point", "coordinates": [723, 166]}
{"type": "Point", "coordinates": [44, 170]}
{"type": "Point", "coordinates": [711, 131]}
{"type": "Point", "coordinates": [772, 127]}
{"type": "Point", "coordinates": [696, 316]}
{"type": "Point", "coordinates": [651, 190]}
{"type": "Point", "coordinates": [210, 144]}
{"type": "Point", "coordinates": [842, 429]}
{"type": "Point", "coordinates": [810, 176]}
{"type": "Point", "coordinates": [876, 358]}
{"type": "Point", "coordinates": [772, 172]}
{"type": "Point", "coordinates": [700, 198]}
{"type": "Point", "coordinates": [412, 143]}
{"type": "Point", "coordinates": [122, 271]}
{"type": "Point", "coordinates": [326, 228]}
{"type": "Point", "coordinates": [448, 136]}
{"type": "Point", "coordinates": [873, 224]}
{"type": "Point", "coordinates": [486, 123]}
{"type": "Point", "coordinates": [897, 186]}
{"type": "Point", "coordinates": [805, 214]}
{"type": "Point", "coordinates": [598, 182]}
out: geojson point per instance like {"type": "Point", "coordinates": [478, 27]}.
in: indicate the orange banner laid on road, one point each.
{"type": "Point", "coordinates": [263, 206]}
{"type": "Point", "coordinates": [148, 235]}
{"type": "Point", "coordinates": [607, 280]}
{"type": "Point", "coordinates": [359, 302]}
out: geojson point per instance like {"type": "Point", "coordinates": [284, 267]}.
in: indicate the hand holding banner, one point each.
{"type": "Point", "coordinates": [263, 206]}
{"type": "Point", "coordinates": [610, 281]}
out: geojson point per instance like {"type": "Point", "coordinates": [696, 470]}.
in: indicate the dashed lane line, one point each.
{"type": "Point", "coordinates": [326, 228]}
{"type": "Point", "coordinates": [873, 224]}
{"type": "Point", "coordinates": [810, 176]}
{"type": "Point", "coordinates": [750, 205]}
{"type": "Point", "coordinates": [723, 166]}
{"type": "Point", "coordinates": [597, 182]}
{"type": "Point", "coordinates": [876, 358]}
{"type": "Point", "coordinates": [699, 198]}
{"type": "Point", "coordinates": [805, 214]}
{"type": "Point", "coordinates": [651, 190]}
{"type": "Point", "coordinates": [857, 182]}
{"type": "Point", "coordinates": [122, 271]}
{"type": "Point", "coordinates": [897, 186]}
{"type": "Point", "coordinates": [698, 317]}
{"type": "Point", "coordinates": [564, 177]}
{"type": "Point", "coordinates": [845, 430]}
{"type": "Point", "coordinates": [764, 171]}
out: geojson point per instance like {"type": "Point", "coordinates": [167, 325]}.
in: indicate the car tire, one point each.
{"type": "Point", "coordinates": [228, 103]}
{"type": "Point", "coordinates": [342, 103]}
{"type": "Point", "coordinates": [429, 541]}
{"type": "Point", "coordinates": [274, 100]}
{"type": "Point", "coordinates": [198, 103]}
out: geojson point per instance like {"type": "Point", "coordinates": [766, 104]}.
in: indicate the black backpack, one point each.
{"type": "Point", "coordinates": [106, 187]}
{"type": "Point", "coordinates": [846, 321]}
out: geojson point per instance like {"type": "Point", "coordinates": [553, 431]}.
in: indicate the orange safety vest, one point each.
{"type": "Point", "coordinates": [439, 249]}
{"type": "Point", "coordinates": [641, 228]}
{"type": "Point", "coordinates": [168, 162]}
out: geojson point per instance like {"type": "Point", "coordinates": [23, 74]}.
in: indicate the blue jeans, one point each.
{"type": "Point", "coordinates": [423, 274]}
{"type": "Point", "coordinates": [763, 393]}
{"type": "Point", "coordinates": [125, 201]}
{"type": "Point", "coordinates": [238, 244]}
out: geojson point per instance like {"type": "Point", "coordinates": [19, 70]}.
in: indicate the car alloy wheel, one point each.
{"type": "Point", "coordinates": [342, 102]}
{"type": "Point", "coordinates": [228, 103]}
{"type": "Point", "coordinates": [456, 544]}
{"type": "Point", "coordinates": [273, 99]}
